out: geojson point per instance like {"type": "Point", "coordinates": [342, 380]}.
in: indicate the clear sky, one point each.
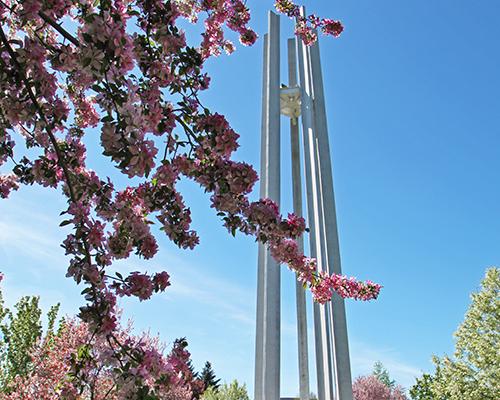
{"type": "Point", "coordinates": [412, 91]}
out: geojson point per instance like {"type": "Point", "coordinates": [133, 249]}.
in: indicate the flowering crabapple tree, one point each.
{"type": "Point", "coordinates": [34, 362]}
{"type": "Point", "coordinates": [125, 68]}
{"type": "Point", "coordinates": [371, 388]}
{"type": "Point", "coordinates": [51, 376]}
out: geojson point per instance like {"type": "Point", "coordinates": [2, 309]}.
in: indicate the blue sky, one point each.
{"type": "Point", "coordinates": [412, 91]}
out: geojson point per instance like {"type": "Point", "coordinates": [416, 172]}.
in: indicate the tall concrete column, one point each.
{"type": "Point", "coordinates": [259, 337]}
{"type": "Point", "coordinates": [300, 294]}
{"type": "Point", "coordinates": [315, 218]}
{"type": "Point", "coordinates": [337, 315]}
{"type": "Point", "coordinates": [267, 366]}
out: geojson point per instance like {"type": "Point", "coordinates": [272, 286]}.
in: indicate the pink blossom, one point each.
{"type": "Point", "coordinates": [96, 234]}
{"type": "Point", "coordinates": [148, 247]}
{"type": "Point", "coordinates": [86, 114]}
{"type": "Point", "coordinates": [305, 26]}
{"type": "Point", "coordinates": [108, 324]}
{"type": "Point", "coordinates": [30, 9]}
{"type": "Point", "coordinates": [161, 280]}
{"type": "Point", "coordinates": [140, 285]}
{"type": "Point", "coordinates": [8, 183]}
{"type": "Point", "coordinates": [331, 27]}
{"type": "Point", "coordinates": [248, 37]}
{"type": "Point", "coordinates": [142, 158]}
{"type": "Point", "coordinates": [295, 224]}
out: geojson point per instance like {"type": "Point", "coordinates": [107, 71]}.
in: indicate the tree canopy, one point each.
{"type": "Point", "coordinates": [20, 331]}
{"type": "Point", "coordinates": [473, 373]}
{"type": "Point", "coordinates": [34, 363]}
{"type": "Point", "coordinates": [371, 388]}
{"type": "Point", "coordinates": [232, 391]}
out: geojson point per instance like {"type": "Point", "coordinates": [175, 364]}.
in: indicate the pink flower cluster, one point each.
{"type": "Point", "coordinates": [306, 26]}
{"type": "Point", "coordinates": [142, 285]}
{"type": "Point", "coordinates": [87, 115]}
{"type": "Point", "coordinates": [233, 13]}
{"type": "Point", "coordinates": [8, 183]}
{"type": "Point", "coordinates": [323, 285]}
{"type": "Point", "coordinates": [221, 138]}
{"type": "Point", "coordinates": [344, 287]}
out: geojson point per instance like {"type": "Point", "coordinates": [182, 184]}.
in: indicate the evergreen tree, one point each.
{"type": "Point", "coordinates": [208, 377]}
{"type": "Point", "coordinates": [191, 368]}
{"type": "Point", "coordinates": [382, 375]}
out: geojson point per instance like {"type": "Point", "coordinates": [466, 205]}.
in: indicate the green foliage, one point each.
{"type": "Point", "coordinates": [208, 377]}
{"type": "Point", "coordinates": [191, 369]}
{"type": "Point", "coordinates": [233, 391]}
{"type": "Point", "coordinates": [51, 317]}
{"type": "Point", "coordinates": [422, 390]}
{"type": "Point", "coordinates": [20, 331]}
{"type": "Point", "coordinates": [474, 371]}
{"type": "Point", "coordinates": [382, 375]}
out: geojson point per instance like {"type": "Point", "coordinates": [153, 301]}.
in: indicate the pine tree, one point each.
{"type": "Point", "coordinates": [208, 377]}
{"type": "Point", "coordinates": [191, 368]}
{"type": "Point", "coordinates": [382, 375]}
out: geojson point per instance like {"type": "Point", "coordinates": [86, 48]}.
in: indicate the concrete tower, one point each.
{"type": "Point", "coordinates": [302, 99]}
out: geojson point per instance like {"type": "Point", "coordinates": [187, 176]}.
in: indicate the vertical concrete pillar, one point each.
{"type": "Point", "coordinates": [297, 209]}
{"type": "Point", "coordinates": [267, 376]}
{"type": "Point", "coordinates": [323, 363]}
{"type": "Point", "coordinates": [338, 323]}
{"type": "Point", "coordinates": [259, 336]}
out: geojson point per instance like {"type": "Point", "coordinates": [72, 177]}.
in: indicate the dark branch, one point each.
{"type": "Point", "coordinates": [59, 28]}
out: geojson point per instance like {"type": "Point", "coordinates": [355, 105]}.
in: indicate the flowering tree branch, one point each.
{"type": "Point", "coordinates": [139, 86]}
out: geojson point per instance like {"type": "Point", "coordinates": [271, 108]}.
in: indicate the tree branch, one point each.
{"type": "Point", "coordinates": [59, 28]}
{"type": "Point", "coordinates": [22, 76]}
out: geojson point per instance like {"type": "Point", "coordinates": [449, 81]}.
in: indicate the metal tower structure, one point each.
{"type": "Point", "coordinates": [302, 99]}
